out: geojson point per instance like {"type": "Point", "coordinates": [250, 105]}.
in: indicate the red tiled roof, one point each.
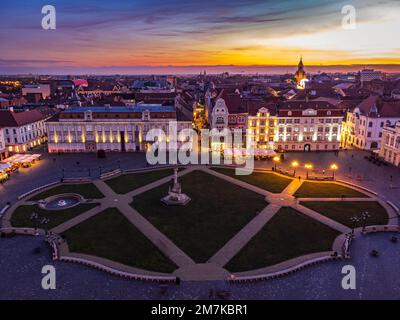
{"type": "Point", "coordinates": [297, 107]}
{"type": "Point", "coordinates": [366, 105]}
{"type": "Point", "coordinates": [383, 108]}
{"type": "Point", "coordinates": [238, 104]}
{"type": "Point", "coordinates": [17, 119]}
{"type": "Point", "coordinates": [390, 109]}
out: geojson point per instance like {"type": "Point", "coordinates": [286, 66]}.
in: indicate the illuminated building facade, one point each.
{"type": "Point", "coordinates": [116, 129]}
{"type": "Point", "coordinates": [263, 126]}
{"type": "Point", "coordinates": [3, 149]}
{"type": "Point", "coordinates": [200, 116]}
{"type": "Point", "coordinates": [288, 126]}
{"type": "Point", "coordinates": [363, 126]}
{"type": "Point", "coordinates": [24, 130]}
{"type": "Point", "coordinates": [390, 145]}
{"type": "Point", "coordinates": [298, 126]}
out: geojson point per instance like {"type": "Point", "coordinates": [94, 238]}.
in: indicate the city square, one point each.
{"type": "Point", "coordinates": [210, 152]}
{"type": "Point", "coordinates": [187, 242]}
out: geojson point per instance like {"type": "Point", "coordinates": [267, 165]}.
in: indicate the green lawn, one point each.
{"type": "Point", "coordinates": [110, 235]}
{"type": "Point", "coordinates": [21, 216]}
{"type": "Point", "coordinates": [287, 235]}
{"type": "Point", "coordinates": [327, 190]}
{"type": "Point", "coordinates": [342, 211]}
{"type": "Point", "coordinates": [129, 182]}
{"type": "Point", "coordinates": [86, 190]}
{"type": "Point", "coordinates": [216, 212]}
{"type": "Point", "coordinates": [267, 181]}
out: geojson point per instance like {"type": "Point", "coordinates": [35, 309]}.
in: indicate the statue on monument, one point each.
{"type": "Point", "coordinates": [175, 195]}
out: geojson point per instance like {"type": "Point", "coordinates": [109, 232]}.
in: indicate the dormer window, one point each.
{"type": "Point", "coordinates": [146, 115]}
{"type": "Point", "coordinates": [88, 116]}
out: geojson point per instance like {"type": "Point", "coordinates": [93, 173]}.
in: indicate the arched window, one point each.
{"type": "Point", "coordinates": [374, 145]}
{"type": "Point", "coordinates": [397, 143]}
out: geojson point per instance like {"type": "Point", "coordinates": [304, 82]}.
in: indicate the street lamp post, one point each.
{"type": "Point", "coordinates": [364, 216]}
{"type": "Point", "coordinates": [295, 164]}
{"type": "Point", "coordinates": [334, 167]}
{"type": "Point", "coordinates": [276, 160]}
{"type": "Point", "coordinates": [308, 166]}
{"type": "Point", "coordinates": [355, 220]}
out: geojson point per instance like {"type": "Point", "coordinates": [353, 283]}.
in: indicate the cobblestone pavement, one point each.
{"type": "Point", "coordinates": [377, 278]}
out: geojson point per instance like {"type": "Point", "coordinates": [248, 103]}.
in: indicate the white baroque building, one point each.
{"type": "Point", "coordinates": [390, 145]}
{"type": "Point", "coordinates": [118, 129]}
{"type": "Point", "coordinates": [219, 115]}
{"type": "Point", "coordinates": [24, 130]}
{"type": "Point", "coordinates": [362, 128]}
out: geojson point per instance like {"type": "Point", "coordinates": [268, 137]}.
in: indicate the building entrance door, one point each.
{"type": "Point", "coordinates": [122, 138]}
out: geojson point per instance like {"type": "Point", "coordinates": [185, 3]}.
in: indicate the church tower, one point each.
{"type": "Point", "coordinates": [300, 73]}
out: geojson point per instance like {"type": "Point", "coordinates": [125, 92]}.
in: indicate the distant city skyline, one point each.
{"type": "Point", "coordinates": [195, 70]}
{"type": "Point", "coordinates": [171, 36]}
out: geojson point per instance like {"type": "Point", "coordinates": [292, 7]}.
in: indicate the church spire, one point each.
{"type": "Point", "coordinates": [300, 73]}
{"type": "Point", "coordinates": [301, 65]}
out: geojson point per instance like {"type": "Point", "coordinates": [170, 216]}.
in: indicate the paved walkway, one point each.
{"type": "Point", "coordinates": [154, 235]}
{"type": "Point", "coordinates": [158, 183]}
{"type": "Point", "coordinates": [213, 269]}
{"type": "Point", "coordinates": [293, 187]}
{"type": "Point", "coordinates": [229, 250]}
{"type": "Point", "coordinates": [321, 218]}
{"type": "Point", "coordinates": [122, 203]}
{"type": "Point", "coordinates": [77, 220]}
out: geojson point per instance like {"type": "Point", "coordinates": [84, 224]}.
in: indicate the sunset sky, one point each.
{"type": "Point", "coordinates": [98, 35]}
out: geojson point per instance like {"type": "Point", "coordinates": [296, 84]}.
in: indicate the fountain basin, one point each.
{"type": "Point", "coordinates": [61, 201]}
